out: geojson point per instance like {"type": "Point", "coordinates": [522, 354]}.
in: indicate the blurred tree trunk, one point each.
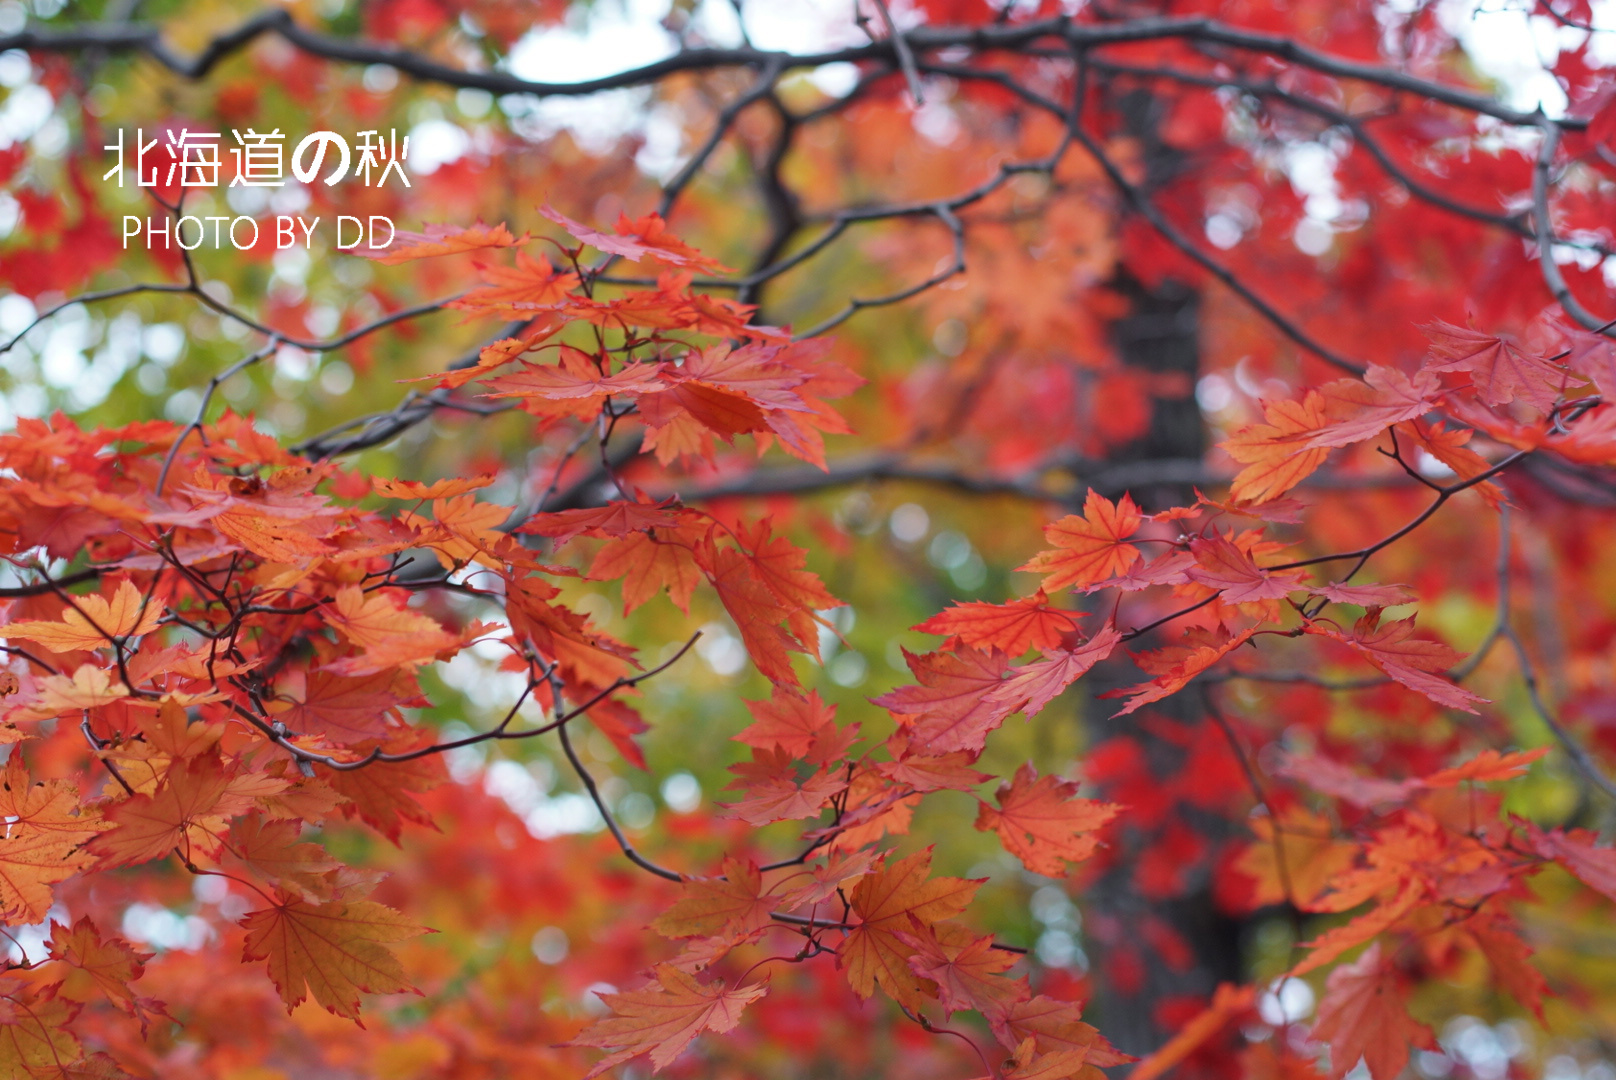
{"type": "Point", "coordinates": [1160, 335]}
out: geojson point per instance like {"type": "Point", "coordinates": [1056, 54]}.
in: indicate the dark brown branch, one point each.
{"type": "Point", "coordinates": [207, 399]}
{"type": "Point", "coordinates": [997, 37]}
{"type": "Point", "coordinates": [1173, 235]}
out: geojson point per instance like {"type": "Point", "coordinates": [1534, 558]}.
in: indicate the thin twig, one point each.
{"type": "Point", "coordinates": [906, 55]}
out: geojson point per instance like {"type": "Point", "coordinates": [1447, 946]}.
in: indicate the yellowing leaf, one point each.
{"type": "Point", "coordinates": [441, 489]}
{"type": "Point", "coordinates": [884, 901]}
{"type": "Point", "coordinates": [1278, 455]}
{"type": "Point", "coordinates": [1055, 1026]}
{"type": "Point", "coordinates": [90, 968]}
{"type": "Point", "coordinates": [1307, 858]}
{"type": "Point", "coordinates": [390, 635]}
{"type": "Point", "coordinates": [1057, 1065]}
{"type": "Point", "coordinates": [89, 687]}
{"type": "Point", "coordinates": [272, 851]}
{"type": "Point", "coordinates": [182, 813]}
{"type": "Point", "coordinates": [90, 622]}
{"type": "Point", "coordinates": [34, 1036]}
{"type": "Point", "coordinates": [40, 844]}
{"type": "Point", "coordinates": [336, 951]}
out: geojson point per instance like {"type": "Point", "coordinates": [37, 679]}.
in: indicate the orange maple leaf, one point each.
{"type": "Point", "coordinates": [619, 518]}
{"type": "Point", "coordinates": [968, 970]}
{"type": "Point", "coordinates": [518, 292]}
{"type": "Point", "coordinates": [1090, 548]}
{"type": "Point", "coordinates": [1278, 454]}
{"type": "Point", "coordinates": [929, 772]}
{"type": "Point", "coordinates": [183, 812]}
{"type": "Point", "coordinates": [1041, 823]}
{"type": "Point", "coordinates": [335, 950]}
{"type": "Point", "coordinates": [1366, 596]}
{"type": "Point", "coordinates": [1032, 686]}
{"type": "Point", "coordinates": [756, 609]}
{"type": "Point", "coordinates": [773, 792]}
{"type": "Point", "coordinates": [1449, 447]}
{"type": "Point", "coordinates": [1028, 623]}
{"type": "Point", "coordinates": [838, 871]}
{"type": "Point", "coordinates": [1295, 861]}
{"type": "Point", "coordinates": [788, 721]}
{"type": "Point", "coordinates": [1406, 865]}
{"type": "Point", "coordinates": [45, 828]}
{"type": "Point", "coordinates": [342, 709]}
{"type": "Point", "coordinates": [950, 709]}
{"type": "Point", "coordinates": [439, 489]}
{"type": "Point", "coordinates": [1179, 667]}
{"type": "Point", "coordinates": [733, 904]}
{"type": "Point", "coordinates": [662, 1018]}
{"type": "Point", "coordinates": [873, 954]}
{"type": "Point", "coordinates": [1027, 1063]}
{"type": "Point", "coordinates": [586, 654]}
{"type": "Point", "coordinates": [1361, 410]}
{"type": "Point", "coordinates": [36, 1042]}
{"type": "Point", "coordinates": [1576, 850]}
{"type": "Point", "coordinates": [91, 622]}
{"type": "Point", "coordinates": [781, 566]}
{"type": "Point", "coordinates": [1055, 1026]}
{"type": "Point", "coordinates": [1499, 939]}
{"type": "Point", "coordinates": [647, 564]}
{"type": "Point", "coordinates": [463, 530]}
{"type": "Point", "coordinates": [382, 793]}
{"type": "Point", "coordinates": [272, 851]}
{"type": "Point", "coordinates": [87, 967]}
{"type": "Point", "coordinates": [725, 413]}
{"type": "Point", "coordinates": [575, 378]}
{"type": "Point", "coordinates": [387, 634]}
{"type": "Point", "coordinates": [1487, 766]}
{"type": "Point", "coordinates": [89, 687]}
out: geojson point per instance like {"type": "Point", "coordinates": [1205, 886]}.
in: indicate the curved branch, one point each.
{"type": "Point", "coordinates": [1171, 233]}
{"type": "Point", "coordinates": [1544, 222]}
{"type": "Point", "coordinates": [996, 37]}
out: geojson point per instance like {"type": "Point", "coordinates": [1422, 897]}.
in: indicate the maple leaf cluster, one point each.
{"type": "Point", "coordinates": [237, 639]}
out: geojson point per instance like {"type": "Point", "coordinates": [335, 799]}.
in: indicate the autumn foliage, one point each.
{"type": "Point", "coordinates": [236, 662]}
